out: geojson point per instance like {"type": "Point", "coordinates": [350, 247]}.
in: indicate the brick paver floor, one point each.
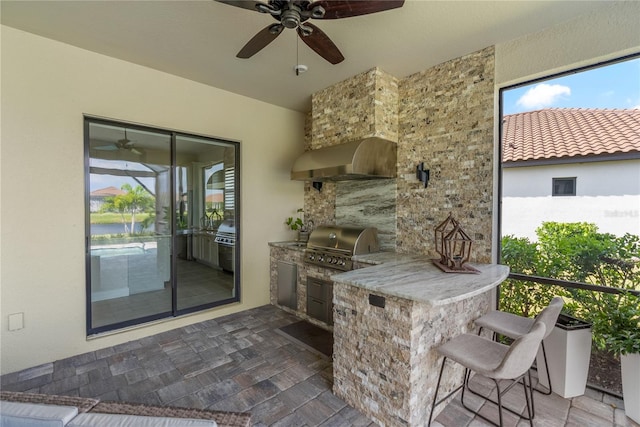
{"type": "Point", "coordinates": [239, 363]}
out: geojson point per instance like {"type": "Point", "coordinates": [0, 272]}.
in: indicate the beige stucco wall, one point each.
{"type": "Point", "coordinates": [46, 88]}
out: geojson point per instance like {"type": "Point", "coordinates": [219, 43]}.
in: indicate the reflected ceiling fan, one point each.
{"type": "Point", "coordinates": [296, 13]}
{"type": "Point", "coordinates": [121, 144]}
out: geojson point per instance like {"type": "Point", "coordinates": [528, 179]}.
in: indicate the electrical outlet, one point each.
{"type": "Point", "coordinates": [16, 321]}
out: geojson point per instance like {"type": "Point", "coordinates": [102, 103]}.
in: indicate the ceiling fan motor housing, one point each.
{"type": "Point", "coordinates": [290, 18]}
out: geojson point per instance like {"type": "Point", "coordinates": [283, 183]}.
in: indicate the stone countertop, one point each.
{"type": "Point", "coordinates": [416, 278]}
{"type": "Point", "coordinates": [290, 244]}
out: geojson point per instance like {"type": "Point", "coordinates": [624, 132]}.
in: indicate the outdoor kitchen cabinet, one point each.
{"type": "Point", "coordinates": [287, 284]}
{"type": "Point", "coordinates": [205, 249]}
{"type": "Point", "coordinates": [320, 300]}
{"type": "Point", "coordinates": [196, 250]}
{"type": "Point", "coordinates": [286, 271]}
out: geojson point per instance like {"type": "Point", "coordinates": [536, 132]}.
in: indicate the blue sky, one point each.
{"type": "Point", "coordinates": [611, 86]}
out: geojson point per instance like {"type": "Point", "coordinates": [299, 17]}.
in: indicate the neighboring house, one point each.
{"type": "Point", "coordinates": [571, 165]}
{"type": "Point", "coordinates": [97, 197]}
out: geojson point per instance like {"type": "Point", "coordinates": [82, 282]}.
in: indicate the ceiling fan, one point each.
{"type": "Point", "coordinates": [121, 144]}
{"type": "Point", "coordinates": [296, 13]}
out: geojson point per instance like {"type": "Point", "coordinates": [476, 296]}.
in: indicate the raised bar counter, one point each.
{"type": "Point", "coordinates": [389, 318]}
{"type": "Point", "coordinates": [417, 279]}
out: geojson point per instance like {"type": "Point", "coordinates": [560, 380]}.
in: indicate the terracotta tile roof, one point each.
{"type": "Point", "coordinates": [215, 198]}
{"type": "Point", "coordinates": [108, 191]}
{"type": "Point", "coordinates": [569, 132]}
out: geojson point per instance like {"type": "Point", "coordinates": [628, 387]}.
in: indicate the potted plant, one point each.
{"type": "Point", "coordinates": [619, 327]}
{"type": "Point", "coordinates": [298, 224]}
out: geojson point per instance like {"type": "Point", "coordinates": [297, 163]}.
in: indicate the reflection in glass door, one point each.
{"type": "Point", "coordinates": [157, 202]}
{"type": "Point", "coordinates": [205, 271]}
{"type": "Point", "coordinates": [129, 224]}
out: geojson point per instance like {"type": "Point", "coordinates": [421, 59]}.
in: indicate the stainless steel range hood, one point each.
{"type": "Point", "coordinates": [368, 158]}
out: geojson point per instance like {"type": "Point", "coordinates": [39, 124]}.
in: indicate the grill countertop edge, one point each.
{"type": "Point", "coordinates": [290, 244]}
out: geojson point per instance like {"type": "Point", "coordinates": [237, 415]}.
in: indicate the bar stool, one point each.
{"type": "Point", "coordinates": [512, 326]}
{"type": "Point", "coordinates": [493, 360]}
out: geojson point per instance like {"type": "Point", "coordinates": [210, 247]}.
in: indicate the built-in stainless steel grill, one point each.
{"type": "Point", "coordinates": [226, 234]}
{"type": "Point", "coordinates": [333, 246]}
{"type": "Point", "coordinates": [226, 240]}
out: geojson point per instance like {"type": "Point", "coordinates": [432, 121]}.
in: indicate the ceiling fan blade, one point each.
{"type": "Point", "coordinates": [321, 44]}
{"type": "Point", "coordinates": [110, 147]}
{"type": "Point", "coordinates": [337, 9]}
{"type": "Point", "coordinates": [244, 4]}
{"type": "Point", "coordinates": [260, 40]}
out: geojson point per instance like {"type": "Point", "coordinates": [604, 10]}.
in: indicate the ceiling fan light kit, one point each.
{"type": "Point", "coordinates": [293, 14]}
{"type": "Point", "coordinates": [300, 68]}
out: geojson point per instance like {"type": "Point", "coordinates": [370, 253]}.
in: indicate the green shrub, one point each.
{"type": "Point", "coordinates": [578, 252]}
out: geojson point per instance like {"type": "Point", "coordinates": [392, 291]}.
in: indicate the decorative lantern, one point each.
{"type": "Point", "coordinates": [453, 245]}
{"type": "Point", "coordinates": [441, 231]}
{"type": "Point", "coordinates": [457, 247]}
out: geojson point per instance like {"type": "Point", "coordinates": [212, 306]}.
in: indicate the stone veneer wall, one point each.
{"type": "Point", "coordinates": [362, 106]}
{"type": "Point", "coordinates": [385, 363]}
{"type": "Point", "coordinates": [442, 116]}
{"type": "Point", "coordinates": [446, 120]}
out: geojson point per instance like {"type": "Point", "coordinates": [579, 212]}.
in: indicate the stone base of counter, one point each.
{"type": "Point", "coordinates": [385, 363]}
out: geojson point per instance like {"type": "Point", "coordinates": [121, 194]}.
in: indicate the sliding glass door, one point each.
{"type": "Point", "coordinates": [155, 203]}
{"type": "Point", "coordinates": [203, 275]}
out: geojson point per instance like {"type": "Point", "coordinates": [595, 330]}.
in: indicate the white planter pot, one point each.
{"type": "Point", "coordinates": [631, 385]}
{"type": "Point", "coordinates": [568, 353]}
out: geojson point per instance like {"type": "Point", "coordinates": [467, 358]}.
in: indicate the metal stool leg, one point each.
{"type": "Point", "coordinates": [546, 368]}
{"type": "Point", "coordinates": [498, 403]}
{"type": "Point", "coordinates": [435, 395]}
{"type": "Point", "coordinates": [436, 402]}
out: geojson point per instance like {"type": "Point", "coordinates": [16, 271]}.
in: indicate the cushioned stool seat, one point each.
{"type": "Point", "coordinates": [507, 324]}
{"type": "Point", "coordinates": [492, 360]}
{"type": "Point", "coordinates": [513, 326]}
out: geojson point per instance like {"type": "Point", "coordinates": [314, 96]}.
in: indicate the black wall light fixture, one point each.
{"type": "Point", "coordinates": [422, 174]}
{"type": "Point", "coordinates": [317, 185]}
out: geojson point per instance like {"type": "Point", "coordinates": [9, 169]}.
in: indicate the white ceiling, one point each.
{"type": "Point", "coordinates": [198, 40]}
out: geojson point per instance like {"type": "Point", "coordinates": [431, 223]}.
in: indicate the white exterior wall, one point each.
{"type": "Point", "coordinates": [607, 194]}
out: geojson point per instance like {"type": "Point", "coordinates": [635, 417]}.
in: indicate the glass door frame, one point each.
{"type": "Point", "coordinates": [175, 312]}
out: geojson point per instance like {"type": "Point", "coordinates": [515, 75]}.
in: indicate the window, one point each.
{"type": "Point", "coordinates": [564, 187]}
{"type": "Point", "coordinates": [151, 223]}
{"type": "Point", "coordinates": [584, 247]}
